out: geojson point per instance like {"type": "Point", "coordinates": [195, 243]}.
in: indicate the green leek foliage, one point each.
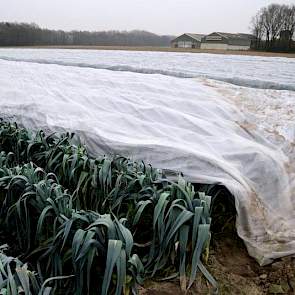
{"type": "Point", "coordinates": [93, 225]}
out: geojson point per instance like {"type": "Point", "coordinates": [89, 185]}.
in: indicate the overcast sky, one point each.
{"type": "Point", "coordinates": [159, 16]}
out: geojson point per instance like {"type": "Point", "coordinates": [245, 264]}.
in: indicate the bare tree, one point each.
{"type": "Point", "coordinates": [269, 24]}
{"type": "Point", "coordinates": [257, 29]}
{"type": "Point", "coordinates": [289, 22]}
{"type": "Point", "coordinates": [277, 21]}
{"type": "Point", "coordinates": [272, 21]}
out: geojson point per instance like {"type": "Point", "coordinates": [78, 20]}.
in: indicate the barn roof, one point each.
{"type": "Point", "coordinates": [197, 37]}
{"type": "Point", "coordinates": [235, 35]}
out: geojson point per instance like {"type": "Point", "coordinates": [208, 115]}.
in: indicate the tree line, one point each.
{"type": "Point", "coordinates": [273, 27]}
{"type": "Point", "coordinates": [24, 34]}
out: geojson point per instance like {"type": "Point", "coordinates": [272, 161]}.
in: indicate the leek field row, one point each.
{"type": "Point", "coordinates": [84, 225]}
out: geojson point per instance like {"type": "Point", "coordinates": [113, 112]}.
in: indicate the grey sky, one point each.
{"type": "Point", "coordinates": [159, 16]}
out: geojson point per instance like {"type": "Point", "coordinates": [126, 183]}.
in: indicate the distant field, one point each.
{"type": "Point", "coordinates": [168, 49]}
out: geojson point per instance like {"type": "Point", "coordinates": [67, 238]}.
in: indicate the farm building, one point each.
{"type": "Point", "coordinates": [187, 41]}
{"type": "Point", "coordinates": [227, 41]}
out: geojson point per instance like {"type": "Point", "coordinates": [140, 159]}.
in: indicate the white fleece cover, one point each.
{"type": "Point", "coordinates": [212, 131]}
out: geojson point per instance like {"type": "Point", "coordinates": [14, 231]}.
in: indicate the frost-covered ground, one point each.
{"type": "Point", "coordinates": [217, 118]}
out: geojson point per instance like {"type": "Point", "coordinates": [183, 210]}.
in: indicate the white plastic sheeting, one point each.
{"type": "Point", "coordinates": [250, 71]}
{"type": "Point", "coordinates": [191, 125]}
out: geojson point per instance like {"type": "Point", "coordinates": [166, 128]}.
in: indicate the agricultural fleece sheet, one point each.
{"type": "Point", "coordinates": [212, 131]}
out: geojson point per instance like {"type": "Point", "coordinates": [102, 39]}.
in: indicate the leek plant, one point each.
{"type": "Point", "coordinates": [97, 225]}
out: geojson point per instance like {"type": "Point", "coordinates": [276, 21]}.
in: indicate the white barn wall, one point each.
{"type": "Point", "coordinates": [238, 47]}
{"type": "Point", "coordinates": [184, 44]}
{"type": "Point", "coordinates": [219, 46]}
{"type": "Point", "coordinates": [187, 40]}
{"type": "Point", "coordinates": [222, 46]}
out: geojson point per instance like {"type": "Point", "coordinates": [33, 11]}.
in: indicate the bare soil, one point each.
{"type": "Point", "coordinates": [236, 273]}
{"type": "Point", "coordinates": [166, 49]}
